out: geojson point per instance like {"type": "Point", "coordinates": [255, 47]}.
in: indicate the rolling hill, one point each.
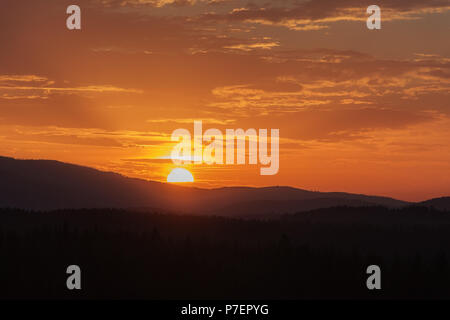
{"type": "Point", "coordinates": [48, 184]}
{"type": "Point", "coordinates": [442, 203]}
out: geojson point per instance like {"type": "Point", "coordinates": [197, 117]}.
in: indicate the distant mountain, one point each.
{"type": "Point", "coordinates": [437, 203]}
{"type": "Point", "coordinates": [268, 207]}
{"type": "Point", "coordinates": [47, 184]}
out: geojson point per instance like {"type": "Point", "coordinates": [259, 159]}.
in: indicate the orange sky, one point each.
{"type": "Point", "coordinates": [363, 111]}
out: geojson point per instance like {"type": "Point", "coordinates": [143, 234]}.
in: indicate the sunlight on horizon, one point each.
{"type": "Point", "coordinates": [180, 175]}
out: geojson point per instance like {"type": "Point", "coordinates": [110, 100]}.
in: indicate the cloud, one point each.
{"type": "Point", "coordinates": [93, 88]}
{"type": "Point", "coordinates": [154, 3]}
{"type": "Point", "coordinates": [86, 137]}
{"type": "Point", "coordinates": [191, 120]}
{"type": "Point", "coordinates": [42, 88]}
{"type": "Point", "coordinates": [318, 14]}
{"type": "Point", "coordinates": [252, 46]}
{"type": "Point", "coordinates": [22, 78]}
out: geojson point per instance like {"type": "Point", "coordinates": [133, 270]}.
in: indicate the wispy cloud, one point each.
{"type": "Point", "coordinates": [42, 87]}
{"type": "Point", "coordinates": [191, 120]}
{"type": "Point", "coordinates": [319, 14]}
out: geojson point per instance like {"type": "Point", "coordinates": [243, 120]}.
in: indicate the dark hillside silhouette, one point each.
{"type": "Point", "coordinates": [146, 255]}
{"type": "Point", "coordinates": [47, 185]}
{"type": "Point", "coordinates": [437, 203]}
{"type": "Point", "coordinates": [150, 240]}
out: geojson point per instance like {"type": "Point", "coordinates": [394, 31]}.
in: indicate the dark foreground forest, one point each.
{"type": "Point", "coordinates": [149, 255]}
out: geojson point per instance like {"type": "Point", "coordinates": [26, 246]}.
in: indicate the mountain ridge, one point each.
{"type": "Point", "coordinates": [51, 184]}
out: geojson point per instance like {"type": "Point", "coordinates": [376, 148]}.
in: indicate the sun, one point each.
{"type": "Point", "coordinates": [180, 175]}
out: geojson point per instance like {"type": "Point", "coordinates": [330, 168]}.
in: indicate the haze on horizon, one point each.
{"type": "Point", "coordinates": [359, 110]}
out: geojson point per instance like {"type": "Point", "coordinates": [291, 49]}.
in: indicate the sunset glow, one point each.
{"type": "Point", "coordinates": [358, 110]}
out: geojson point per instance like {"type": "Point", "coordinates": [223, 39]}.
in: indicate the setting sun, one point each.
{"type": "Point", "coordinates": [180, 175]}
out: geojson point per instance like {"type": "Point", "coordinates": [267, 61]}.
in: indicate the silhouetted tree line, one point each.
{"type": "Point", "coordinates": [147, 255]}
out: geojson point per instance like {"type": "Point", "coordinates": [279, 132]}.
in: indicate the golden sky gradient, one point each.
{"type": "Point", "coordinates": [363, 111]}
